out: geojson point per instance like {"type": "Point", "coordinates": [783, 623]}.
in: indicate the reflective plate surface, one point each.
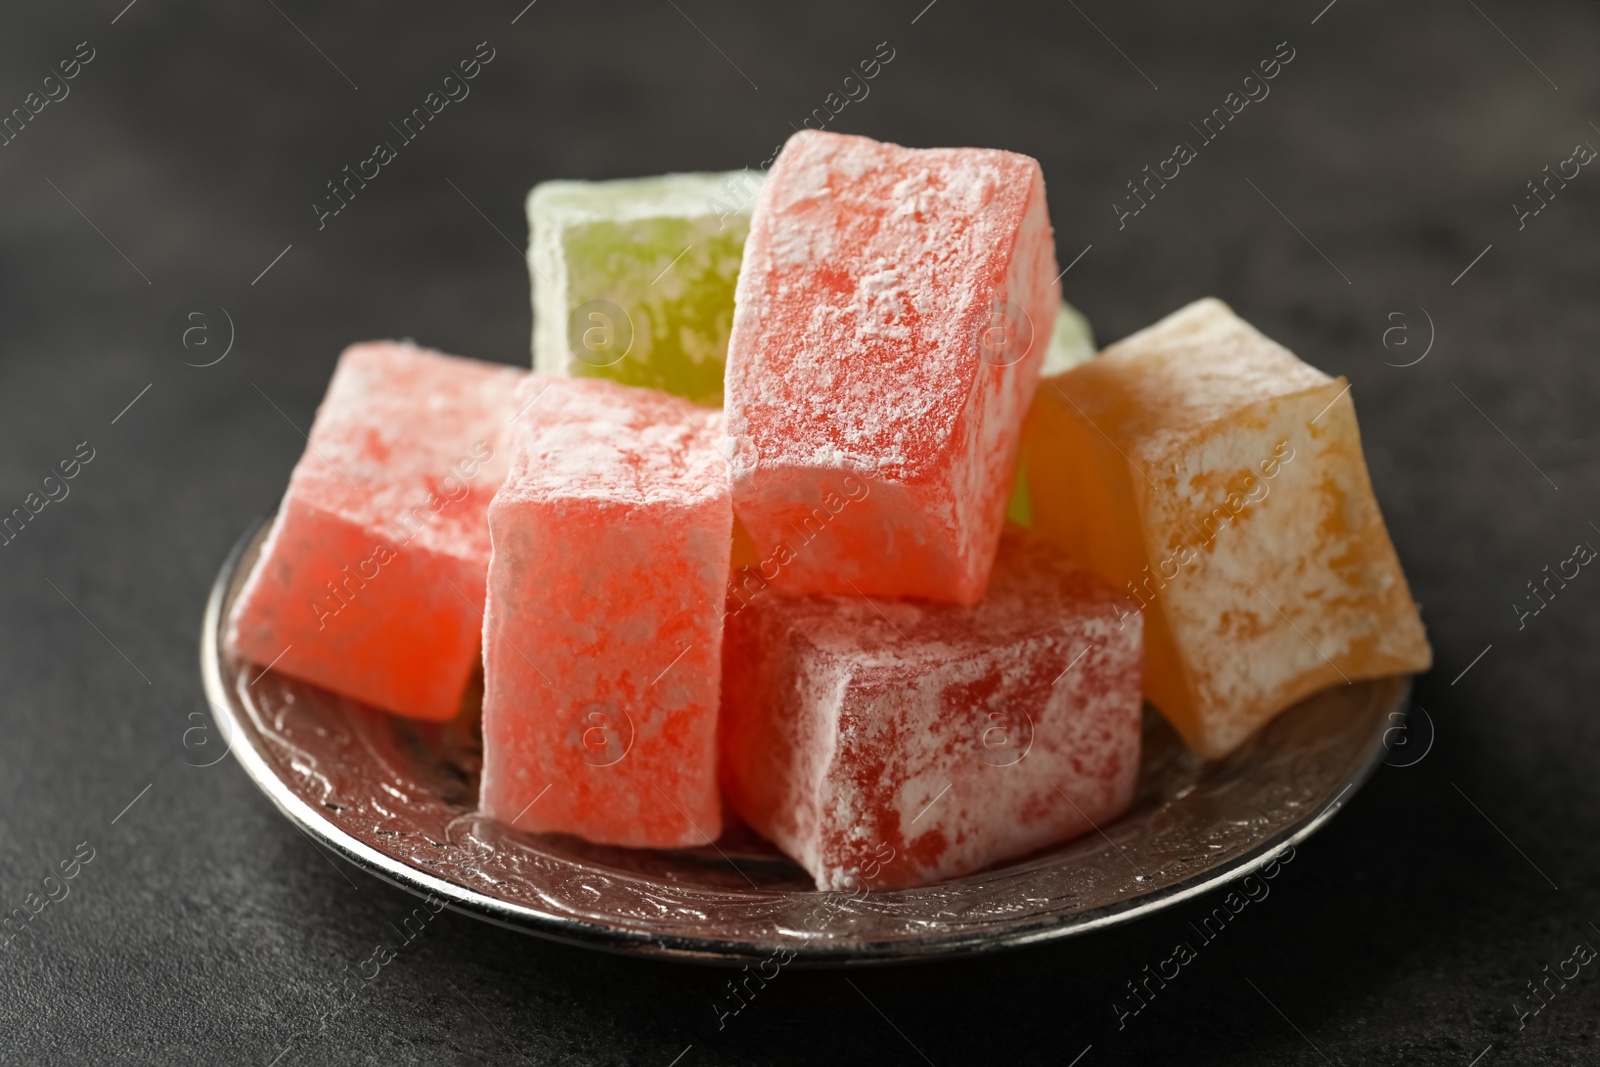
{"type": "Point", "coordinates": [398, 798]}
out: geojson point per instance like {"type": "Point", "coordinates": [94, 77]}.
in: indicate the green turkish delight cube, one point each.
{"type": "Point", "coordinates": [633, 279]}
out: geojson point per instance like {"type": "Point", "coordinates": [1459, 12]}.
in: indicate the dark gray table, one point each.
{"type": "Point", "coordinates": [1371, 190]}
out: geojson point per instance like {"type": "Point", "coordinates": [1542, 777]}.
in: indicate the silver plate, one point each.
{"type": "Point", "coordinates": [398, 798]}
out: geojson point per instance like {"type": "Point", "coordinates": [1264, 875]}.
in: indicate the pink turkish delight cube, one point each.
{"type": "Point", "coordinates": [891, 316]}
{"type": "Point", "coordinates": [370, 582]}
{"type": "Point", "coordinates": [603, 635]}
{"type": "Point", "coordinates": [898, 743]}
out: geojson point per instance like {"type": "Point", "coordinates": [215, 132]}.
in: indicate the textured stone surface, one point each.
{"type": "Point", "coordinates": [207, 929]}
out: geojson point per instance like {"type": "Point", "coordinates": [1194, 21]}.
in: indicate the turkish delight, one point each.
{"type": "Point", "coordinates": [891, 317]}
{"type": "Point", "coordinates": [886, 744]}
{"type": "Point", "coordinates": [1218, 483]}
{"type": "Point", "coordinates": [603, 631]}
{"type": "Point", "coordinates": [633, 279]}
{"type": "Point", "coordinates": [370, 582]}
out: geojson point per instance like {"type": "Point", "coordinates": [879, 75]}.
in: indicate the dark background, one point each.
{"type": "Point", "coordinates": [208, 929]}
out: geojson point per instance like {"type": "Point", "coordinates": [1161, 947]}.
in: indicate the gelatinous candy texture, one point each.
{"type": "Point", "coordinates": [1218, 483]}
{"type": "Point", "coordinates": [892, 314]}
{"type": "Point", "coordinates": [603, 632]}
{"type": "Point", "coordinates": [633, 279]}
{"type": "Point", "coordinates": [896, 743]}
{"type": "Point", "coordinates": [370, 582]}
{"type": "Point", "coordinates": [1071, 344]}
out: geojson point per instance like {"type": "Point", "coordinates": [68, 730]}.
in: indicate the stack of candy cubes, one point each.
{"type": "Point", "coordinates": [819, 513]}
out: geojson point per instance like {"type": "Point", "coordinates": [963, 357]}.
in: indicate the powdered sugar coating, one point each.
{"type": "Point", "coordinates": [370, 581]}
{"type": "Point", "coordinates": [393, 429]}
{"type": "Point", "coordinates": [592, 439]}
{"type": "Point", "coordinates": [860, 736]}
{"type": "Point", "coordinates": [603, 627]}
{"type": "Point", "coordinates": [869, 275]}
{"type": "Point", "coordinates": [1200, 364]}
{"type": "Point", "coordinates": [1219, 482]}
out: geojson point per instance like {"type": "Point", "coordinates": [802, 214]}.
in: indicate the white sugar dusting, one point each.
{"type": "Point", "coordinates": [890, 702]}
{"type": "Point", "coordinates": [595, 440]}
{"type": "Point", "coordinates": [406, 431]}
{"type": "Point", "coordinates": [868, 274]}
